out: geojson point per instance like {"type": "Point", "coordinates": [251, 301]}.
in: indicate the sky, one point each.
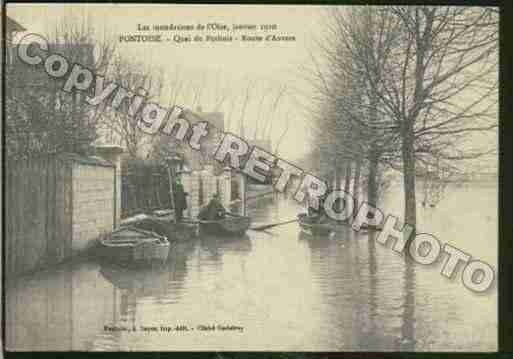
{"type": "Point", "coordinates": [220, 75]}
{"type": "Point", "coordinates": [233, 70]}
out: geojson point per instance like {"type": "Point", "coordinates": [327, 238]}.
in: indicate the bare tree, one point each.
{"type": "Point", "coordinates": [244, 106]}
{"type": "Point", "coordinates": [284, 132]}
{"type": "Point", "coordinates": [439, 86]}
{"type": "Point", "coordinates": [275, 104]}
{"type": "Point", "coordinates": [423, 79]}
{"type": "Point", "coordinates": [42, 119]}
{"type": "Point", "coordinates": [117, 123]}
{"type": "Point", "coordinates": [348, 107]}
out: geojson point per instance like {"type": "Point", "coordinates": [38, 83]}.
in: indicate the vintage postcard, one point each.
{"type": "Point", "coordinates": [291, 178]}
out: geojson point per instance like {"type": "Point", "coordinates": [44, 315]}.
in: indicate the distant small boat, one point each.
{"type": "Point", "coordinates": [320, 229]}
{"type": "Point", "coordinates": [131, 245]}
{"type": "Point", "coordinates": [371, 227]}
{"type": "Point", "coordinates": [231, 225]}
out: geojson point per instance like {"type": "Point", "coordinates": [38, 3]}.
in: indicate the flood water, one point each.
{"type": "Point", "coordinates": [281, 290]}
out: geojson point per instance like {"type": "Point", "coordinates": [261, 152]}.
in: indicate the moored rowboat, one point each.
{"type": "Point", "coordinates": [167, 227]}
{"type": "Point", "coordinates": [233, 225]}
{"type": "Point", "coordinates": [321, 229]}
{"type": "Point", "coordinates": [131, 245]}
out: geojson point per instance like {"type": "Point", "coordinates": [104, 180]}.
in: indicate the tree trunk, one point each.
{"type": "Point", "coordinates": [356, 184]}
{"type": "Point", "coordinates": [338, 176]}
{"type": "Point", "coordinates": [338, 182]}
{"type": "Point", "coordinates": [347, 183]}
{"type": "Point", "coordinates": [408, 156]}
{"type": "Point", "coordinates": [330, 179]}
{"type": "Point", "coordinates": [347, 179]}
{"type": "Point", "coordinates": [374, 156]}
{"type": "Point", "coordinates": [372, 187]}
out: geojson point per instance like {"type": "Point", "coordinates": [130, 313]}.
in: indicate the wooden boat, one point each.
{"type": "Point", "coordinates": [132, 245]}
{"type": "Point", "coordinates": [231, 225]}
{"type": "Point", "coordinates": [166, 226]}
{"type": "Point", "coordinates": [320, 229]}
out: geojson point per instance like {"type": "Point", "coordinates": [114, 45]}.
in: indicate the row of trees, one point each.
{"type": "Point", "coordinates": [402, 88]}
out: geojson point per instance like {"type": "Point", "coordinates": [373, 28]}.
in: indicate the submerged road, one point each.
{"type": "Point", "coordinates": [280, 290]}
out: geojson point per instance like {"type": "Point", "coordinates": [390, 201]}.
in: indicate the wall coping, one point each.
{"type": "Point", "coordinates": [87, 160]}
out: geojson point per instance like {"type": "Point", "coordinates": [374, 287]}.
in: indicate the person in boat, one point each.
{"type": "Point", "coordinates": [316, 215]}
{"type": "Point", "coordinates": [180, 197]}
{"type": "Point", "coordinates": [319, 215]}
{"type": "Point", "coordinates": [214, 210]}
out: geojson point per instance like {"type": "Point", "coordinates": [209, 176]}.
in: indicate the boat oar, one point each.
{"type": "Point", "coordinates": [267, 226]}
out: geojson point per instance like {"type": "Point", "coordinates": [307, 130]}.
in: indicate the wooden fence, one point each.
{"type": "Point", "coordinates": [144, 187]}
{"type": "Point", "coordinates": [38, 213]}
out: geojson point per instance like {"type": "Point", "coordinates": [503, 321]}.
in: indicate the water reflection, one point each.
{"type": "Point", "coordinates": [408, 316]}
{"type": "Point", "coordinates": [288, 289]}
{"type": "Point", "coordinates": [217, 245]}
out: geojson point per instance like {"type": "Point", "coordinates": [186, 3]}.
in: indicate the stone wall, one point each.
{"type": "Point", "coordinates": [93, 203]}
{"type": "Point", "coordinates": [113, 154]}
{"type": "Point", "coordinates": [190, 184]}
{"type": "Point", "coordinates": [201, 186]}
{"type": "Point", "coordinates": [226, 188]}
{"type": "Point", "coordinates": [59, 207]}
